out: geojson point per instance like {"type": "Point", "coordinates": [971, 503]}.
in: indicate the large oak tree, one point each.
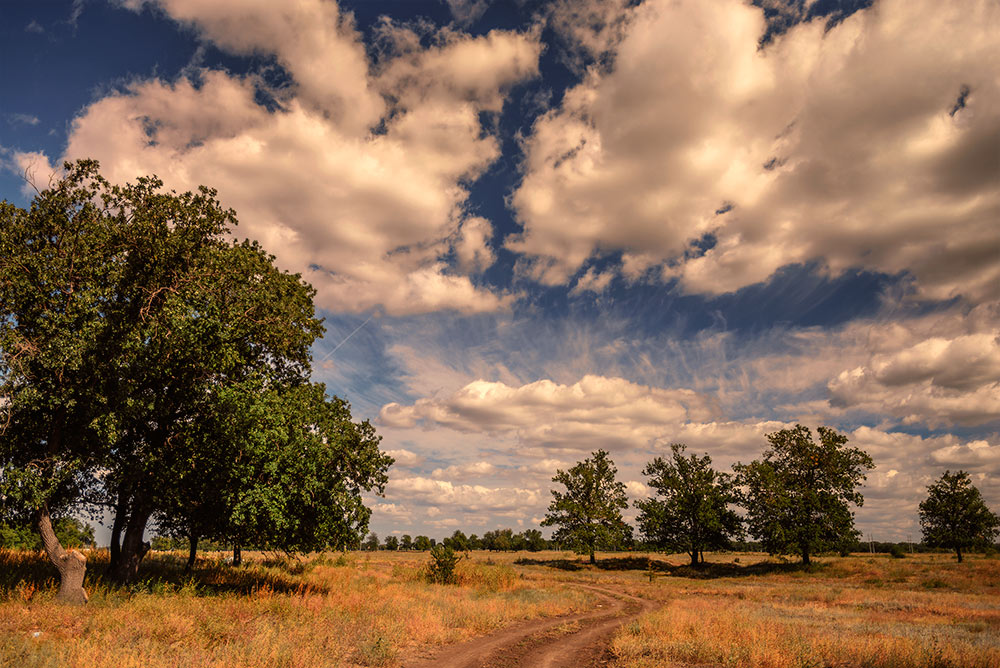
{"type": "Point", "coordinates": [130, 325]}
{"type": "Point", "coordinates": [798, 497]}
{"type": "Point", "coordinates": [690, 511]}
{"type": "Point", "coordinates": [589, 513]}
{"type": "Point", "coordinates": [954, 515]}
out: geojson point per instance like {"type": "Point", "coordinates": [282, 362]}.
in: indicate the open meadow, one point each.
{"type": "Point", "coordinates": [377, 609]}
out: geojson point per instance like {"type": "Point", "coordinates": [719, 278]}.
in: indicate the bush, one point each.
{"type": "Point", "coordinates": [441, 569]}
{"type": "Point", "coordinates": [896, 552]}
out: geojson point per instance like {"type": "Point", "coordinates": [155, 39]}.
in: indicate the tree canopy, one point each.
{"type": "Point", "coordinates": [690, 511]}
{"type": "Point", "coordinates": [955, 516]}
{"type": "Point", "coordinates": [588, 514]}
{"type": "Point", "coordinates": [797, 497]}
{"type": "Point", "coordinates": [151, 364]}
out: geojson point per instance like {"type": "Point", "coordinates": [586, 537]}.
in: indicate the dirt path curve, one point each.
{"type": "Point", "coordinates": [571, 641]}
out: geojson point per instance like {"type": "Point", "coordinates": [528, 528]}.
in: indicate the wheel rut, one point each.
{"type": "Point", "coordinates": [570, 641]}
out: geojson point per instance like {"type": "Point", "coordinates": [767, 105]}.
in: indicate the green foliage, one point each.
{"type": "Point", "coordinates": [532, 540]}
{"type": "Point", "coordinates": [897, 552]}
{"type": "Point", "coordinates": [690, 512]}
{"type": "Point", "coordinates": [588, 514]}
{"type": "Point", "coordinates": [391, 543]}
{"type": "Point", "coordinates": [441, 568]}
{"type": "Point", "coordinates": [797, 496]}
{"type": "Point", "coordinates": [954, 515]}
{"type": "Point", "coordinates": [458, 541]}
{"type": "Point", "coordinates": [422, 543]}
{"type": "Point", "coordinates": [151, 363]}
{"type": "Point", "coordinates": [71, 532]}
{"type": "Point", "coordinates": [371, 542]}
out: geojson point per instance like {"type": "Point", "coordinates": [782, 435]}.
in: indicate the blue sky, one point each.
{"type": "Point", "coordinates": [541, 228]}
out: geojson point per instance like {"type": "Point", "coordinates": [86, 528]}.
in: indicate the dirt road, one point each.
{"type": "Point", "coordinates": [576, 641]}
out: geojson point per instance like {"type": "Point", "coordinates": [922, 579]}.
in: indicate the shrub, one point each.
{"type": "Point", "coordinates": [896, 552]}
{"type": "Point", "coordinates": [441, 568]}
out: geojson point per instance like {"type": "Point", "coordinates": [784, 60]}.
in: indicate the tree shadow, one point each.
{"type": "Point", "coordinates": [22, 571]}
{"type": "Point", "coordinates": [705, 571]}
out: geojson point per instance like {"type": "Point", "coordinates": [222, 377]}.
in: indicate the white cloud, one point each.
{"type": "Point", "coordinates": [364, 197]}
{"type": "Point", "coordinates": [405, 458]}
{"type": "Point", "coordinates": [592, 413]}
{"type": "Point", "coordinates": [593, 281]}
{"type": "Point", "coordinates": [935, 381]}
{"type": "Point", "coordinates": [845, 147]}
{"type": "Point", "coordinates": [468, 11]}
{"type": "Point", "coordinates": [473, 249]}
{"type": "Point", "coordinates": [460, 498]}
{"type": "Point", "coordinates": [459, 471]}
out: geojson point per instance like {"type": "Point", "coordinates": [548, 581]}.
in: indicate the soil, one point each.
{"type": "Point", "coordinates": [570, 641]}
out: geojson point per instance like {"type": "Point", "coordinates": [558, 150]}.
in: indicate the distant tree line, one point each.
{"type": "Point", "coordinates": [796, 499]}
{"type": "Point", "coordinates": [500, 540]}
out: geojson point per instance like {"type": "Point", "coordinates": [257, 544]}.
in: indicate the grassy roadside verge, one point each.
{"type": "Point", "coordinates": [325, 610]}
{"type": "Point", "coordinates": [919, 612]}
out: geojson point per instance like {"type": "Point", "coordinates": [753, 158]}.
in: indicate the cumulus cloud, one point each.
{"type": "Point", "coordinates": [593, 281]}
{"type": "Point", "coordinates": [594, 412]}
{"type": "Point", "coordinates": [936, 381]}
{"type": "Point", "coordinates": [355, 173]}
{"type": "Point", "coordinates": [874, 145]}
{"type": "Point", "coordinates": [405, 458]}
{"type": "Point", "coordinates": [468, 11]}
{"type": "Point", "coordinates": [460, 498]}
{"type": "Point", "coordinates": [473, 249]}
{"type": "Point", "coordinates": [473, 470]}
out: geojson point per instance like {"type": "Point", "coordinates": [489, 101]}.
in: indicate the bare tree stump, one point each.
{"type": "Point", "coordinates": [71, 564]}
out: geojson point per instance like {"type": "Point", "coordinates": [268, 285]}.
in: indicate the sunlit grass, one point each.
{"type": "Point", "coordinates": [855, 611]}
{"type": "Point", "coordinates": [325, 610]}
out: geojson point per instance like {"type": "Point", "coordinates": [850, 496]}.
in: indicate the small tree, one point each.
{"type": "Point", "coordinates": [691, 510]}
{"type": "Point", "coordinates": [406, 543]}
{"type": "Point", "coordinates": [954, 515]}
{"type": "Point", "coordinates": [422, 543]}
{"type": "Point", "coordinates": [441, 568]}
{"type": "Point", "coordinates": [391, 543]}
{"type": "Point", "coordinates": [588, 514]}
{"type": "Point", "coordinates": [797, 496]}
{"type": "Point", "coordinates": [371, 543]}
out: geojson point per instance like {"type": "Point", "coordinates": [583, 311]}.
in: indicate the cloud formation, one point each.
{"type": "Point", "coordinates": [701, 157]}
{"type": "Point", "coordinates": [594, 412]}
{"type": "Point", "coordinates": [354, 172]}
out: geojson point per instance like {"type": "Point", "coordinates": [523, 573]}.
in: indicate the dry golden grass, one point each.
{"type": "Point", "coordinates": [918, 612]}
{"type": "Point", "coordinates": [365, 609]}
{"type": "Point", "coordinates": [327, 610]}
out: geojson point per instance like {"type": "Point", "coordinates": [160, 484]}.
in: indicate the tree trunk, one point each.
{"type": "Point", "coordinates": [805, 557]}
{"type": "Point", "coordinates": [701, 557]}
{"type": "Point", "coordinates": [115, 548]}
{"type": "Point", "coordinates": [593, 559]}
{"type": "Point", "coordinates": [958, 551]}
{"type": "Point", "coordinates": [133, 547]}
{"type": "Point", "coordinates": [237, 555]}
{"type": "Point", "coordinates": [192, 551]}
{"type": "Point", "coordinates": [72, 565]}
{"type": "Point", "coordinates": [694, 557]}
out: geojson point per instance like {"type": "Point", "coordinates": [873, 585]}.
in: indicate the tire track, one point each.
{"type": "Point", "coordinates": [571, 641]}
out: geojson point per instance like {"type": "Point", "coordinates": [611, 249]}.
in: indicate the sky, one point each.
{"type": "Point", "coordinates": [541, 228]}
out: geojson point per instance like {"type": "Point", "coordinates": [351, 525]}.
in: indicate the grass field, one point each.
{"type": "Point", "coordinates": [375, 609]}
